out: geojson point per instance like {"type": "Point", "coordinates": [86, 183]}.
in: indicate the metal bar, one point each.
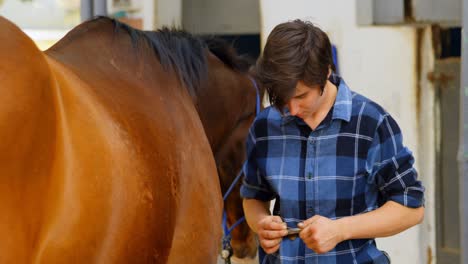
{"type": "Point", "coordinates": [86, 10]}
{"type": "Point", "coordinates": [100, 7]}
{"type": "Point", "coordinates": [464, 157]}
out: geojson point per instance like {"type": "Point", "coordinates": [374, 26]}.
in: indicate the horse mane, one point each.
{"type": "Point", "coordinates": [227, 54]}
{"type": "Point", "coordinates": [183, 52]}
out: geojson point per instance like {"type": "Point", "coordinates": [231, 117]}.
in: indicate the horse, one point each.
{"type": "Point", "coordinates": [117, 145]}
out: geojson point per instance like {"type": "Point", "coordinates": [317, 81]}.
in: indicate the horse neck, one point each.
{"type": "Point", "coordinates": [227, 108]}
{"type": "Point", "coordinates": [223, 101]}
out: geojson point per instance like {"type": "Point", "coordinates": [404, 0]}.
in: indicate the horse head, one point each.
{"type": "Point", "coordinates": [227, 108]}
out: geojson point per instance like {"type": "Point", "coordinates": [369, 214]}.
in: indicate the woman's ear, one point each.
{"type": "Point", "coordinates": [329, 72]}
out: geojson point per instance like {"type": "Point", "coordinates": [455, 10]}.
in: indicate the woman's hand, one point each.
{"type": "Point", "coordinates": [320, 234]}
{"type": "Point", "coordinates": [271, 230]}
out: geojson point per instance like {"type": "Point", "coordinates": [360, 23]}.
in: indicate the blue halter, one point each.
{"type": "Point", "coordinates": [226, 243]}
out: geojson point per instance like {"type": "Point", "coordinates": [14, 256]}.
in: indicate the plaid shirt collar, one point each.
{"type": "Point", "coordinates": [341, 108]}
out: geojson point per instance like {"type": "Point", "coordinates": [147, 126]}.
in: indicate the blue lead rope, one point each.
{"type": "Point", "coordinates": [226, 243]}
{"type": "Point", "coordinates": [234, 182]}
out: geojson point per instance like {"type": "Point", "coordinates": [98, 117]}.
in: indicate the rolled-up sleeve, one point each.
{"type": "Point", "coordinates": [254, 185]}
{"type": "Point", "coordinates": [392, 166]}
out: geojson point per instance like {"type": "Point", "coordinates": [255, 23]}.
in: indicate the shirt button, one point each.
{"type": "Point", "coordinates": [309, 175]}
{"type": "Point", "coordinates": [311, 141]}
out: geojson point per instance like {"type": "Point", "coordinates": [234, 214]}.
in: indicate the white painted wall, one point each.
{"type": "Point", "coordinates": [380, 63]}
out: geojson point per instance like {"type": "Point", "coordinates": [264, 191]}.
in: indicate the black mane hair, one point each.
{"type": "Point", "coordinates": [184, 53]}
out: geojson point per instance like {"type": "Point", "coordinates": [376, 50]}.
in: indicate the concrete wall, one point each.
{"type": "Point", "coordinates": [168, 13]}
{"type": "Point", "coordinates": [221, 16]}
{"type": "Point", "coordinates": [202, 16]}
{"type": "Point", "coordinates": [159, 13]}
{"type": "Point", "coordinates": [381, 63]}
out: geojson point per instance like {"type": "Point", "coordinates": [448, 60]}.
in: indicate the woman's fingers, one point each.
{"type": "Point", "coordinates": [273, 234]}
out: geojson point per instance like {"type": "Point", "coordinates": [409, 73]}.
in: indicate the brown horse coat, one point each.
{"type": "Point", "coordinates": [104, 158]}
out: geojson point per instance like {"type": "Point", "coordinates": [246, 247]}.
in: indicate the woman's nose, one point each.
{"type": "Point", "coordinates": [293, 108]}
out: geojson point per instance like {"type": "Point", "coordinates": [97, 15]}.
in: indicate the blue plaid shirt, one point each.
{"type": "Point", "coordinates": [352, 163]}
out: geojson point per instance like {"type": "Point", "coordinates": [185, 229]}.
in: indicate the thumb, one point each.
{"type": "Point", "coordinates": [308, 221]}
{"type": "Point", "coordinates": [276, 219]}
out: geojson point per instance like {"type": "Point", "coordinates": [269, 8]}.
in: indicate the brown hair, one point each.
{"type": "Point", "coordinates": [295, 50]}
